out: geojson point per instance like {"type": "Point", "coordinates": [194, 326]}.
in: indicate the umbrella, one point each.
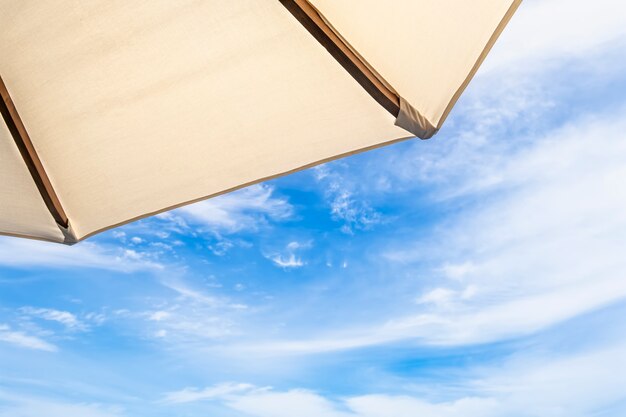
{"type": "Point", "coordinates": [117, 110]}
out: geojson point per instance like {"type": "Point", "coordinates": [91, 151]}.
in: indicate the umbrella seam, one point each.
{"type": "Point", "coordinates": [31, 158]}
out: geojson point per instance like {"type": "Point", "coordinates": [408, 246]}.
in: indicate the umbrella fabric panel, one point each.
{"type": "Point", "coordinates": [136, 107]}
{"type": "Point", "coordinates": [426, 50]}
{"type": "Point", "coordinates": [22, 210]}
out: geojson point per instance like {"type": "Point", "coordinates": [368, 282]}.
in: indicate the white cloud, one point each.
{"type": "Point", "coordinates": [457, 271]}
{"type": "Point", "coordinates": [66, 318]}
{"type": "Point", "coordinates": [544, 31]}
{"type": "Point", "coordinates": [289, 261]}
{"type": "Point", "coordinates": [25, 253]}
{"type": "Point", "coordinates": [188, 327]}
{"type": "Point", "coordinates": [299, 403]}
{"type": "Point", "coordinates": [21, 339]}
{"type": "Point", "coordinates": [354, 212]}
{"type": "Point", "coordinates": [194, 316]}
{"type": "Point", "coordinates": [439, 296]}
{"type": "Point", "coordinates": [95, 318]}
{"type": "Point", "coordinates": [259, 401]}
{"type": "Point", "coordinates": [14, 405]}
{"type": "Point", "coordinates": [187, 292]}
{"type": "Point", "coordinates": [159, 315]}
{"type": "Point", "coordinates": [245, 209]}
{"type": "Point", "coordinates": [405, 406]}
{"type": "Point", "coordinates": [221, 247]}
{"type": "Point", "coordinates": [219, 391]}
{"type": "Point", "coordinates": [288, 258]}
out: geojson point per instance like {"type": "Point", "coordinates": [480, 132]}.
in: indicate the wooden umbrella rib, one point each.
{"type": "Point", "coordinates": [308, 16]}
{"type": "Point", "coordinates": [27, 150]}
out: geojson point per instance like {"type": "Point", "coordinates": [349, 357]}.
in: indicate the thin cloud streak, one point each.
{"type": "Point", "coordinates": [22, 253]}
{"type": "Point", "coordinates": [245, 209]}
{"type": "Point", "coordinates": [23, 340]}
{"type": "Point", "coordinates": [545, 32]}
{"type": "Point", "coordinates": [15, 405]}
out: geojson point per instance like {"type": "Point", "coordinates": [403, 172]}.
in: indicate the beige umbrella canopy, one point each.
{"type": "Point", "coordinates": [115, 110]}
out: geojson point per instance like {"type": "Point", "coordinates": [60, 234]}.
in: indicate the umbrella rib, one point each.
{"type": "Point", "coordinates": [317, 26]}
{"type": "Point", "coordinates": [29, 154]}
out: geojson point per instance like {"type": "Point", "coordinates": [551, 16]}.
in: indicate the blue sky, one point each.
{"type": "Point", "coordinates": [479, 273]}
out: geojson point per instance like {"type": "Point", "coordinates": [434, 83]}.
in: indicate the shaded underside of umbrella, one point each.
{"type": "Point", "coordinates": [115, 110]}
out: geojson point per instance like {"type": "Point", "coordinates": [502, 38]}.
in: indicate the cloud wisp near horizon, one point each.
{"type": "Point", "coordinates": [479, 273]}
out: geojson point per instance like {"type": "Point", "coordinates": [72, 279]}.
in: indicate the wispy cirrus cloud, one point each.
{"type": "Point", "coordinates": [245, 209]}
{"type": "Point", "coordinates": [288, 258]}
{"type": "Point", "coordinates": [67, 319]}
{"type": "Point", "coordinates": [576, 384]}
{"type": "Point", "coordinates": [71, 322]}
{"type": "Point", "coordinates": [218, 391]}
{"type": "Point", "coordinates": [346, 206]}
{"type": "Point", "coordinates": [21, 339]}
{"type": "Point", "coordinates": [14, 404]}
{"type": "Point", "coordinates": [194, 316]}
{"type": "Point", "coordinates": [22, 253]}
{"type": "Point", "coordinates": [581, 28]}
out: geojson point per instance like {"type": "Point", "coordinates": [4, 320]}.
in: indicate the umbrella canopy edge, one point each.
{"type": "Point", "coordinates": [33, 162]}
{"type": "Point", "coordinates": [321, 29]}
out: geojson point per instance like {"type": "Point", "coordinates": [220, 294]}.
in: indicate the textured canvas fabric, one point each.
{"type": "Point", "coordinates": [22, 210]}
{"type": "Point", "coordinates": [138, 107]}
